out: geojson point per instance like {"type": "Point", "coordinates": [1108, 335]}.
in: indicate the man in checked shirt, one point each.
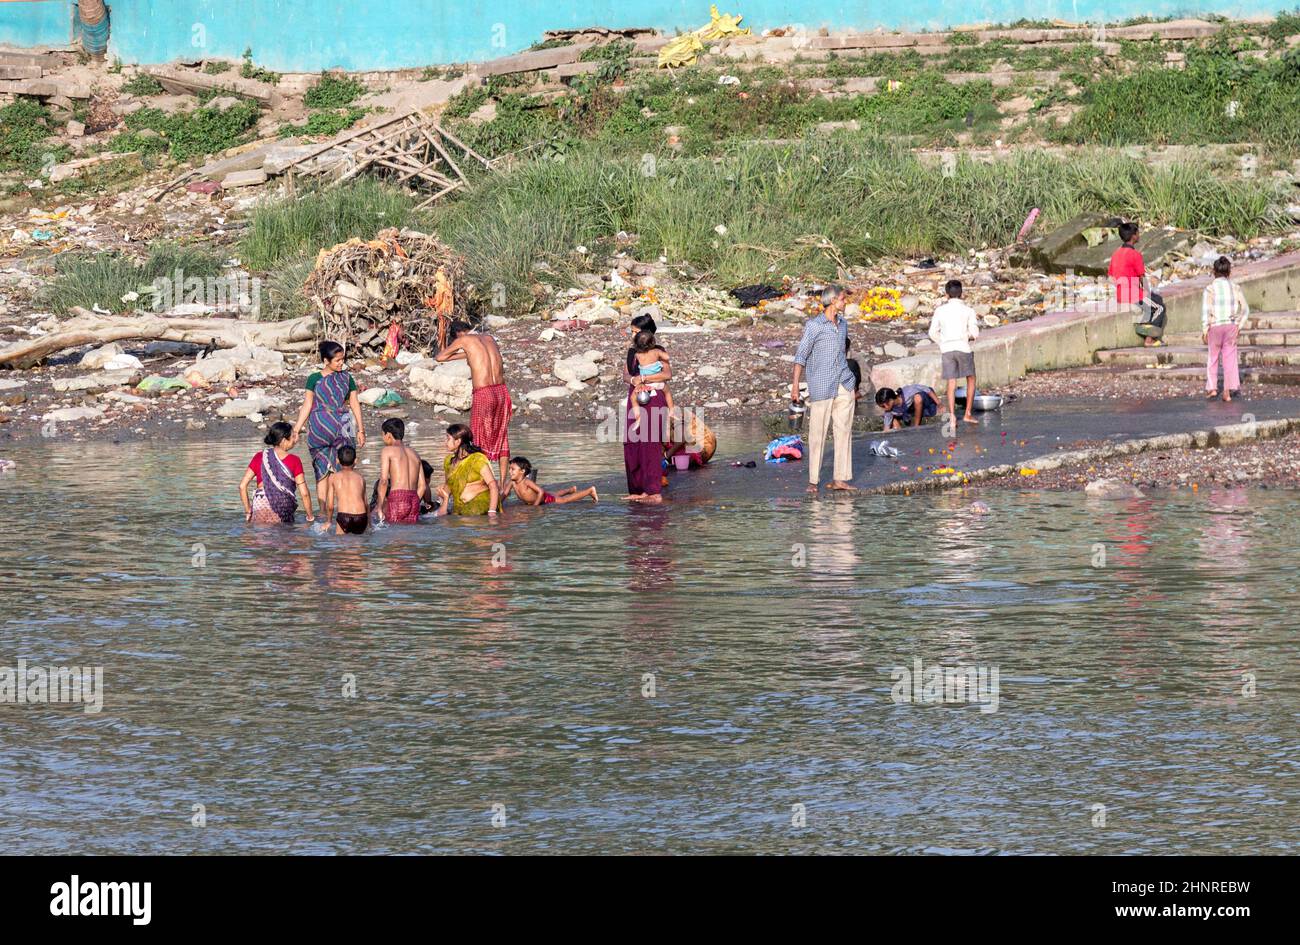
{"type": "Point", "coordinates": [830, 389]}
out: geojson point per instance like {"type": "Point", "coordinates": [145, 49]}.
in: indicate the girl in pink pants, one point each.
{"type": "Point", "coordinates": [1223, 313]}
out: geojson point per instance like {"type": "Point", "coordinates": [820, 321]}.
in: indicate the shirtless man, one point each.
{"type": "Point", "coordinates": [401, 476]}
{"type": "Point", "coordinates": [348, 496]}
{"type": "Point", "coordinates": [489, 415]}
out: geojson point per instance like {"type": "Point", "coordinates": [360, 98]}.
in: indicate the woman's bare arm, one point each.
{"type": "Point", "coordinates": [304, 412]}
{"type": "Point", "coordinates": [243, 493]}
{"type": "Point", "coordinates": [355, 403]}
{"type": "Point", "coordinates": [306, 496]}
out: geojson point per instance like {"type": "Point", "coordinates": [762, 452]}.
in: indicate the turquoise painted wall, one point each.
{"type": "Point", "coordinates": [309, 35]}
{"type": "Point", "coordinates": [35, 23]}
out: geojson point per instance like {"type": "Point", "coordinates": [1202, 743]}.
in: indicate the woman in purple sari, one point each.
{"type": "Point", "coordinates": [279, 480]}
{"type": "Point", "coordinates": [645, 430]}
{"type": "Point", "coordinates": [331, 412]}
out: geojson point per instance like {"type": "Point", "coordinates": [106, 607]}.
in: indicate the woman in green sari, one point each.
{"type": "Point", "coordinates": [469, 487]}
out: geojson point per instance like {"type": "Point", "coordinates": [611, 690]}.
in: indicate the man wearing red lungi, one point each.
{"type": "Point", "coordinates": [490, 412]}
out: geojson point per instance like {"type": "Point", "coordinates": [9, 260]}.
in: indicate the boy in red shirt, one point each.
{"type": "Point", "coordinates": [1129, 272]}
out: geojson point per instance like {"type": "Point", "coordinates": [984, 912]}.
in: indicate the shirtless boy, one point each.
{"type": "Point", "coordinates": [401, 476]}
{"type": "Point", "coordinates": [489, 415]}
{"type": "Point", "coordinates": [348, 496]}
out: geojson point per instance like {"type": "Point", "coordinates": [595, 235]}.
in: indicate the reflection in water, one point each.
{"type": "Point", "coordinates": [325, 693]}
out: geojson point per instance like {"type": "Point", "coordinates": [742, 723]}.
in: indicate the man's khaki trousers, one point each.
{"type": "Point", "coordinates": [837, 412]}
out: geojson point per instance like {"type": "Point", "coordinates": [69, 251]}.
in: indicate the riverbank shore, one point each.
{"type": "Point", "coordinates": [1268, 463]}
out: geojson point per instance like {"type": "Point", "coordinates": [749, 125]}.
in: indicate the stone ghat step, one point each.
{"type": "Point", "coordinates": [1253, 355]}
{"type": "Point", "coordinates": [1252, 337]}
{"type": "Point", "coordinates": [1259, 374]}
{"type": "Point", "coordinates": [1274, 320]}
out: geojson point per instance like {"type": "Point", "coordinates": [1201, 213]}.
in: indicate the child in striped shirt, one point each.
{"type": "Point", "coordinates": [1223, 314]}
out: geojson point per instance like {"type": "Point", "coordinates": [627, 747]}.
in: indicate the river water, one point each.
{"type": "Point", "coordinates": [717, 675]}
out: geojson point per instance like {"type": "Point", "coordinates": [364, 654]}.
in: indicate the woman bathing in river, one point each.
{"type": "Point", "coordinates": [331, 412]}
{"type": "Point", "coordinates": [277, 472]}
{"type": "Point", "coordinates": [469, 487]}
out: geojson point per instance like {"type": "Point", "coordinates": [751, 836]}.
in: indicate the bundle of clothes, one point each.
{"type": "Point", "coordinates": [784, 449]}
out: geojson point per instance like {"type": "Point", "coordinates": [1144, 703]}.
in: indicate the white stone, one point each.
{"type": "Point", "coordinates": [1112, 489]}
{"type": "Point", "coordinates": [124, 362]}
{"type": "Point", "coordinates": [6, 384]}
{"type": "Point", "coordinates": [371, 395]}
{"type": "Point", "coordinates": [544, 393]}
{"type": "Point", "coordinates": [894, 350]}
{"type": "Point", "coordinates": [71, 414]}
{"type": "Point", "coordinates": [711, 370]}
{"type": "Point", "coordinates": [92, 381]}
{"type": "Point", "coordinates": [575, 370]}
{"type": "Point", "coordinates": [256, 403]}
{"type": "Point", "coordinates": [97, 358]}
{"type": "Point", "coordinates": [446, 385]}
{"type": "Point", "coordinates": [496, 321]}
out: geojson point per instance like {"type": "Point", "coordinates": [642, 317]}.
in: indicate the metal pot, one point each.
{"type": "Point", "coordinates": [987, 402]}
{"type": "Point", "coordinates": [644, 397]}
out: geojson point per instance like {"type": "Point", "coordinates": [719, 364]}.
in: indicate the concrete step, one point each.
{"type": "Point", "coordinates": [1250, 355]}
{"type": "Point", "coordinates": [1253, 337]}
{"type": "Point", "coordinates": [1257, 374]}
{"type": "Point", "coordinates": [1274, 320]}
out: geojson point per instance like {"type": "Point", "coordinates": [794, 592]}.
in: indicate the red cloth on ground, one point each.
{"type": "Point", "coordinates": [792, 451]}
{"type": "Point", "coordinates": [291, 462]}
{"type": "Point", "coordinates": [402, 507]}
{"type": "Point", "coordinates": [1127, 269]}
{"type": "Point", "coordinates": [489, 420]}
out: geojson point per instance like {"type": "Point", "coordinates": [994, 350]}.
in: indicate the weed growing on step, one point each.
{"type": "Point", "coordinates": [142, 84]}
{"type": "Point", "coordinates": [333, 91]}
{"type": "Point", "coordinates": [216, 67]}
{"type": "Point", "coordinates": [250, 71]}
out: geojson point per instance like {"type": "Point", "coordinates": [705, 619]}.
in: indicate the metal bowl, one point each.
{"type": "Point", "coordinates": [987, 402]}
{"type": "Point", "coordinates": [644, 397]}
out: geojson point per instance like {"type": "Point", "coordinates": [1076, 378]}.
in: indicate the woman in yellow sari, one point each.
{"type": "Point", "coordinates": [469, 487]}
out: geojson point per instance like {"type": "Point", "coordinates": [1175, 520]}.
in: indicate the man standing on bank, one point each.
{"type": "Point", "coordinates": [830, 389]}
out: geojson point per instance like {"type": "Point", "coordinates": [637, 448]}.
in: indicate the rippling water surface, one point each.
{"type": "Point", "coordinates": [768, 628]}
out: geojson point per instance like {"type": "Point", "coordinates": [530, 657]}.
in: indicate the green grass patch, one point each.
{"type": "Point", "coordinates": [24, 126]}
{"type": "Point", "coordinates": [867, 197]}
{"type": "Point", "coordinates": [312, 221]}
{"type": "Point", "coordinates": [1191, 106]}
{"type": "Point", "coordinates": [90, 279]}
{"type": "Point", "coordinates": [333, 91]}
{"type": "Point", "coordinates": [142, 84]}
{"type": "Point", "coordinates": [216, 67]}
{"type": "Point", "coordinates": [324, 123]}
{"type": "Point", "coordinates": [190, 134]}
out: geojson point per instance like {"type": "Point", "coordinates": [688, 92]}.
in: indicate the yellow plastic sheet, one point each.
{"type": "Point", "coordinates": [682, 50]}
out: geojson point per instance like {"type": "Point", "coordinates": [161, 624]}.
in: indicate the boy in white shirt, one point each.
{"type": "Point", "coordinates": [953, 327]}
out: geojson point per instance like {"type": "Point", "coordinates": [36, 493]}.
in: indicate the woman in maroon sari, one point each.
{"type": "Point", "coordinates": [645, 429]}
